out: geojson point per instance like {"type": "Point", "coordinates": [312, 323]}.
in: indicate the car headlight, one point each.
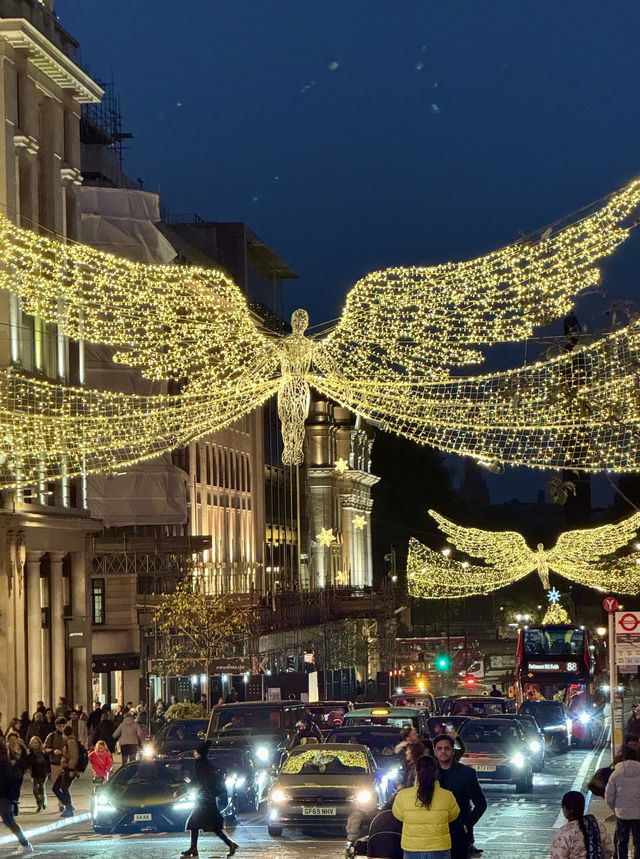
{"type": "Point", "coordinates": [186, 801]}
{"type": "Point", "coordinates": [240, 781]}
{"type": "Point", "coordinates": [280, 796]}
{"type": "Point", "coordinates": [392, 773]}
{"type": "Point", "coordinates": [517, 760]}
{"type": "Point", "coordinates": [103, 804]}
{"type": "Point", "coordinates": [262, 753]}
{"type": "Point", "coordinates": [535, 745]}
{"type": "Point", "coordinates": [584, 718]}
{"type": "Point", "coordinates": [230, 781]}
{"type": "Point", "coordinates": [148, 752]}
{"type": "Point", "coordinates": [363, 797]}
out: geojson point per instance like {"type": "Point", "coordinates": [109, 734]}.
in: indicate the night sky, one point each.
{"type": "Point", "coordinates": [352, 135]}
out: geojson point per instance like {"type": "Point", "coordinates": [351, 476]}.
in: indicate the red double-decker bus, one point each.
{"type": "Point", "coordinates": [552, 659]}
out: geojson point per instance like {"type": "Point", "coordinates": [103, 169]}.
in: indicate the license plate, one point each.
{"type": "Point", "coordinates": [140, 817]}
{"type": "Point", "coordinates": [314, 811]}
{"type": "Point", "coordinates": [486, 769]}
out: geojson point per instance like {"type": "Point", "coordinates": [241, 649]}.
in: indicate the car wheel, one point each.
{"type": "Point", "coordinates": [274, 831]}
{"type": "Point", "coordinates": [525, 786]}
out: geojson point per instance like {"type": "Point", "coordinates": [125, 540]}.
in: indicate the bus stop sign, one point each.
{"type": "Point", "coordinates": [610, 604]}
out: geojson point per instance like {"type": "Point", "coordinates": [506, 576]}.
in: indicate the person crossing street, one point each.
{"type": "Point", "coordinates": [462, 781]}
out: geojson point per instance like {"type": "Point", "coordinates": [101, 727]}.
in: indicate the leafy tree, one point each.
{"type": "Point", "coordinates": [199, 627]}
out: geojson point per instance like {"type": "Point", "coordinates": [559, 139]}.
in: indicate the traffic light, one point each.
{"type": "Point", "coordinates": [443, 662]}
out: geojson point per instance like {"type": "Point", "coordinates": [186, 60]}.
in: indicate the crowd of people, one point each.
{"type": "Point", "coordinates": [56, 745]}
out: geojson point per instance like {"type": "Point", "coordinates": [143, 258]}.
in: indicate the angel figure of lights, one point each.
{"type": "Point", "coordinates": [585, 556]}
{"type": "Point", "coordinates": [392, 357]}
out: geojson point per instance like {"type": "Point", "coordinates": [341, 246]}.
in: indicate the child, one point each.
{"type": "Point", "coordinates": [101, 761]}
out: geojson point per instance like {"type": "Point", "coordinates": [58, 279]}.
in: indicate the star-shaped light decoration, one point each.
{"type": "Point", "coordinates": [326, 537]}
{"type": "Point", "coordinates": [554, 595]}
{"type": "Point", "coordinates": [359, 522]}
{"type": "Point", "coordinates": [342, 465]}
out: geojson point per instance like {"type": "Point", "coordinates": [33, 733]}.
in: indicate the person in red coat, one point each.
{"type": "Point", "coordinates": [101, 761]}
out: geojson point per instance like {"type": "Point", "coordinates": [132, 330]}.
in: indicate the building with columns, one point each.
{"type": "Point", "coordinates": [339, 502]}
{"type": "Point", "coordinates": [44, 600]}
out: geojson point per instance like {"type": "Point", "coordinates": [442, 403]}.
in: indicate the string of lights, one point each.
{"type": "Point", "coordinates": [388, 359]}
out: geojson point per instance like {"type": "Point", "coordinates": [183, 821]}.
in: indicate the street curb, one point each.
{"type": "Point", "coordinates": [49, 827]}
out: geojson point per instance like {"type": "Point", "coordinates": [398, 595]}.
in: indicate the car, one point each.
{"type": "Point", "coordinates": [554, 721]}
{"type": "Point", "coordinates": [148, 795]}
{"type": "Point", "coordinates": [438, 725]}
{"type": "Point", "coordinates": [328, 714]}
{"type": "Point", "coordinates": [332, 784]}
{"type": "Point", "coordinates": [497, 750]}
{"type": "Point", "coordinates": [382, 742]}
{"type": "Point", "coordinates": [394, 717]}
{"type": "Point", "coordinates": [474, 705]}
{"type": "Point", "coordinates": [265, 728]}
{"type": "Point", "coordinates": [439, 701]}
{"type": "Point", "coordinates": [535, 739]}
{"type": "Point", "coordinates": [421, 700]}
{"type": "Point", "coordinates": [245, 783]}
{"type": "Point", "coordinates": [587, 719]}
{"type": "Point", "coordinates": [176, 737]}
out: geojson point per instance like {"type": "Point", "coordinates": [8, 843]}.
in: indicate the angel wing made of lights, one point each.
{"type": "Point", "coordinates": [388, 359]}
{"type": "Point", "coordinates": [586, 556]}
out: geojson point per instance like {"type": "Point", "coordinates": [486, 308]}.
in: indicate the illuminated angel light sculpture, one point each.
{"type": "Point", "coordinates": [390, 357]}
{"type": "Point", "coordinates": [585, 556]}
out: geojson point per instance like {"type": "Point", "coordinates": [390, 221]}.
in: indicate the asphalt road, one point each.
{"type": "Point", "coordinates": [518, 826]}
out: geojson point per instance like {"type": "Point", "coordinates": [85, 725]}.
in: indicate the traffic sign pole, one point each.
{"type": "Point", "coordinates": [613, 680]}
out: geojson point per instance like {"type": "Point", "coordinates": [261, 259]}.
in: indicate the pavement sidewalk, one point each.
{"type": "Point", "coordinates": [36, 823]}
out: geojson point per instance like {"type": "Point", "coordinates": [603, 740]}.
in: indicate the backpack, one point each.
{"type": "Point", "coordinates": [83, 758]}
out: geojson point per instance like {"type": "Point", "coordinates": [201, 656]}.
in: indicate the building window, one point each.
{"type": "Point", "coordinates": [97, 601]}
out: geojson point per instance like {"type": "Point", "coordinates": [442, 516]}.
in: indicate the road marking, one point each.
{"type": "Point", "coordinates": [577, 785]}
{"type": "Point", "coordinates": [49, 827]}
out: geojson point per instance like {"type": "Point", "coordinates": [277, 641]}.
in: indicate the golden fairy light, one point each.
{"type": "Point", "coordinates": [586, 556]}
{"type": "Point", "coordinates": [389, 358]}
{"type": "Point", "coordinates": [326, 537]}
{"type": "Point", "coordinates": [359, 522]}
{"type": "Point", "coordinates": [341, 465]}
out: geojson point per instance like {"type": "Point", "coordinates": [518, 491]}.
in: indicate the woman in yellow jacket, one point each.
{"type": "Point", "coordinates": [426, 810]}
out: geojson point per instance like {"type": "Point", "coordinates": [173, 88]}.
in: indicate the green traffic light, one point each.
{"type": "Point", "coordinates": [443, 663]}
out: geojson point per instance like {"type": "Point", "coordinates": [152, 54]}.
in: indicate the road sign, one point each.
{"type": "Point", "coordinates": [628, 623]}
{"type": "Point", "coordinates": [610, 604]}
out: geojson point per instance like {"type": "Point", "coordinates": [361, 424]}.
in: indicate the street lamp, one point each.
{"type": "Point", "coordinates": [601, 631]}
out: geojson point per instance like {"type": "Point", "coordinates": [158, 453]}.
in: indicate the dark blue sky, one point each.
{"type": "Point", "coordinates": [357, 134]}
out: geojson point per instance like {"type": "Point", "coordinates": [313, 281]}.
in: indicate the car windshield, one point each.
{"type": "Point", "coordinates": [185, 730]}
{"type": "Point", "coordinates": [544, 712]}
{"type": "Point", "coordinates": [326, 715]}
{"type": "Point", "coordinates": [381, 745]}
{"type": "Point", "coordinates": [391, 721]}
{"type": "Point", "coordinates": [148, 772]}
{"type": "Point", "coordinates": [494, 733]}
{"type": "Point", "coordinates": [226, 760]}
{"type": "Point", "coordinates": [489, 707]}
{"type": "Point", "coordinates": [444, 724]}
{"type": "Point", "coordinates": [326, 762]}
{"type": "Point", "coordinates": [553, 641]}
{"type": "Point", "coordinates": [247, 719]}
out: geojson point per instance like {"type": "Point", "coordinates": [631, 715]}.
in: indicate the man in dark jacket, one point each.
{"type": "Point", "coordinates": [462, 781]}
{"type": "Point", "coordinates": [7, 789]}
{"type": "Point", "coordinates": [69, 764]}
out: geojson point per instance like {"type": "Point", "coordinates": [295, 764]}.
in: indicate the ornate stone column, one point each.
{"type": "Point", "coordinates": [80, 611]}
{"type": "Point", "coordinates": [34, 629]}
{"type": "Point", "coordinates": [56, 605]}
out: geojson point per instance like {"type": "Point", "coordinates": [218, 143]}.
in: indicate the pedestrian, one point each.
{"type": "Point", "coordinates": [19, 760]}
{"type": "Point", "coordinates": [426, 811]}
{"type": "Point", "coordinates": [40, 767]}
{"type": "Point", "coordinates": [93, 720]}
{"type": "Point", "coordinates": [53, 746]}
{"type": "Point", "coordinates": [208, 783]}
{"type": "Point", "coordinates": [117, 716]}
{"type": "Point", "coordinates": [7, 791]}
{"type": "Point", "coordinates": [69, 765]}
{"type": "Point", "coordinates": [101, 761]}
{"type": "Point", "coordinates": [495, 692]}
{"type": "Point", "coordinates": [25, 721]}
{"type": "Point", "coordinates": [62, 708]}
{"type": "Point", "coordinates": [633, 725]}
{"type": "Point", "coordinates": [412, 754]}
{"type": "Point", "coordinates": [462, 781]}
{"type": "Point", "coordinates": [582, 837]}
{"type": "Point", "coordinates": [79, 726]}
{"type": "Point", "coordinates": [105, 731]}
{"type": "Point", "coordinates": [622, 794]}
{"type": "Point", "coordinates": [40, 708]}
{"type": "Point", "coordinates": [14, 728]}
{"type": "Point", "coordinates": [36, 727]}
{"type": "Point", "coordinates": [49, 721]}
{"type": "Point", "coordinates": [131, 735]}
{"type": "Point", "coordinates": [158, 720]}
